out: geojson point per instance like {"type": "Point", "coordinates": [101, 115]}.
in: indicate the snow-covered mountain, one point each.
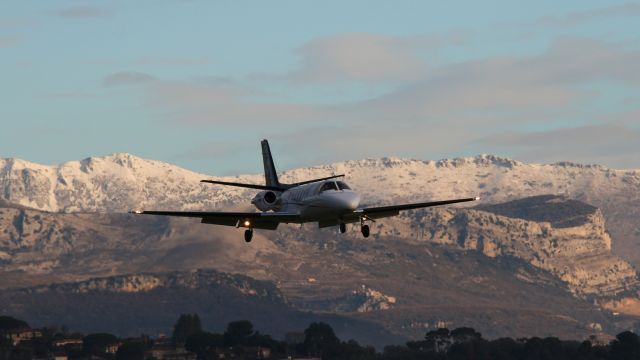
{"type": "Point", "coordinates": [119, 182]}
{"type": "Point", "coordinates": [540, 260]}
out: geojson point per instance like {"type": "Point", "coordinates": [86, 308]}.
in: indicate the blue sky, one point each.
{"type": "Point", "coordinates": [199, 83]}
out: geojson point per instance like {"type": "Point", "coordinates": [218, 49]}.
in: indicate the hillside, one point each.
{"type": "Point", "coordinates": [462, 267]}
{"type": "Point", "coordinates": [150, 303]}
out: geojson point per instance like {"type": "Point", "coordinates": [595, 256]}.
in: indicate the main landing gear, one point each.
{"type": "Point", "coordinates": [364, 228]}
{"type": "Point", "coordinates": [248, 235]}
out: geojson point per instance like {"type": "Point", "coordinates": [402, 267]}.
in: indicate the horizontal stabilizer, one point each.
{"type": "Point", "coordinates": [249, 186]}
{"type": "Point", "coordinates": [314, 180]}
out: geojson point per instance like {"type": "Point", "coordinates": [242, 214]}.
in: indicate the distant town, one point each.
{"type": "Point", "coordinates": [318, 341]}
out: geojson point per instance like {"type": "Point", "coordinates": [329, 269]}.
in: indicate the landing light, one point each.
{"type": "Point", "coordinates": [247, 223]}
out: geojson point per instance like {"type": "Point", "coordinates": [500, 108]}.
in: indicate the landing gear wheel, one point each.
{"type": "Point", "coordinates": [248, 234]}
{"type": "Point", "coordinates": [365, 230]}
{"type": "Point", "coordinates": [343, 228]}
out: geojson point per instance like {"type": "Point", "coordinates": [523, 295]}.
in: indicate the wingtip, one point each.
{"type": "Point", "coordinates": [476, 198]}
{"type": "Point", "coordinates": [137, 212]}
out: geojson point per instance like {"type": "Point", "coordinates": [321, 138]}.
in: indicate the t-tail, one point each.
{"type": "Point", "coordinates": [270, 175]}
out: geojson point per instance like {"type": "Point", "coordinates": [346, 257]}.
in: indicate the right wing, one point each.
{"type": "Point", "coordinates": [393, 210]}
{"type": "Point", "coordinates": [256, 220]}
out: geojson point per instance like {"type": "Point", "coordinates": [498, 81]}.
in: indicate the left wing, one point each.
{"type": "Point", "coordinates": [256, 220]}
{"type": "Point", "coordinates": [393, 210]}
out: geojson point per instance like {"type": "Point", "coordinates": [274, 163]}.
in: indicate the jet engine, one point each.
{"type": "Point", "coordinates": [267, 200]}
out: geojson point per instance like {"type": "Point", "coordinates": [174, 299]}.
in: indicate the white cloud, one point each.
{"type": "Point", "coordinates": [127, 78]}
{"type": "Point", "coordinates": [171, 61]}
{"type": "Point", "coordinates": [610, 144]}
{"type": "Point", "coordinates": [450, 110]}
{"type": "Point", "coordinates": [83, 12]}
{"type": "Point", "coordinates": [358, 57]}
{"type": "Point", "coordinates": [581, 17]}
{"type": "Point", "coordinates": [6, 41]}
{"type": "Point", "coordinates": [222, 104]}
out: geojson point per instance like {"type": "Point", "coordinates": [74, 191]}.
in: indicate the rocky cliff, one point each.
{"type": "Point", "coordinates": [567, 238]}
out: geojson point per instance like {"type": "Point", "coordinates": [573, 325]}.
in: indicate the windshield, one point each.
{"type": "Point", "coordinates": [329, 185]}
{"type": "Point", "coordinates": [343, 186]}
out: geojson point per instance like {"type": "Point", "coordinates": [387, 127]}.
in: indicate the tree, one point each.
{"type": "Point", "coordinates": [96, 343]}
{"type": "Point", "coordinates": [438, 340]}
{"type": "Point", "coordinates": [186, 326]}
{"type": "Point", "coordinates": [318, 338]}
{"type": "Point", "coordinates": [203, 341]}
{"type": "Point", "coordinates": [133, 350]}
{"type": "Point", "coordinates": [625, 346]}
{"type": "Point", "coordinates": [10, 323]}
{"type": "Point", "coordinates": [465, 334]}
{"type": "Point", "coordinates": [239, 332]}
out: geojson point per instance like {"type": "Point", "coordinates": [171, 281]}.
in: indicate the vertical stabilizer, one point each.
{"type": "Point", "coordinates": [270, 175]}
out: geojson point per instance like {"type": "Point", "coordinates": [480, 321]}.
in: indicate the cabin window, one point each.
{"type": "Point", "coordinates": [343, 186]}
{"type": "Point", "coordinates": [329, 185]}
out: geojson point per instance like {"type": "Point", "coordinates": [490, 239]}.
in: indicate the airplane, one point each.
{"type": "Point", "coordinates": [327, 201]}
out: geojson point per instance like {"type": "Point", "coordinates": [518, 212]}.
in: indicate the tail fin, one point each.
{"type": "Point", "coordinates": [270, 175]}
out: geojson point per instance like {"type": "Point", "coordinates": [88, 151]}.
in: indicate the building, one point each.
{"type": "Point", "coordinates": [113, 347]}
{"type": "Point", "coordinates": [17, 336]}
{"type": "Point", "coordinates": [60, 356]}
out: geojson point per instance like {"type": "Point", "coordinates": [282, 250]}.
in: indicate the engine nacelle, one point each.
{"type": "Point", "coordinates": [267, 200]}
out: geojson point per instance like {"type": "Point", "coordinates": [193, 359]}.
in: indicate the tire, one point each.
{"type": "Point", "coordinates": [365, 230]}
{"type": "Point", "coordinates": [248, 235]}
{"type": "Point", "coordinates": [343, 228]}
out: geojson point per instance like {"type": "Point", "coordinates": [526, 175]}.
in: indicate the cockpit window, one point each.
{"type": "Point", "coordinates": [342, 185]}
{"type": "Point", "coordinates": [329, 185]}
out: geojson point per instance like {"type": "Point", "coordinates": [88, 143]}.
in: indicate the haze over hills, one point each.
{"type": "Point", "coordinates": [528, 266]}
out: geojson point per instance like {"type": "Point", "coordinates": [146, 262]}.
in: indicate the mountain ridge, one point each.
{"type": "Point", "coordinates": [121, 182]}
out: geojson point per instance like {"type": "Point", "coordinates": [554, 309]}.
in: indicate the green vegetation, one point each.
{"type": "Point", "coordinates": [186, 326]}
{"type": "Point", "coordinates": [241, 341]}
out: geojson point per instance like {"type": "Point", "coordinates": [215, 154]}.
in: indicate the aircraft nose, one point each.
{"type": "Point", "coordinates": [350, 200]}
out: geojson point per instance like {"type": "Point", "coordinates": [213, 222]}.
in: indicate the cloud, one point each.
{"type": "Point", "coordinates": [171, 61]}
{"type": "Point", "coordinates": [610, 144]}
{"type": "Point", "coordinates": [358, 57]}
{"type": "Point", "coordinates": [581, 17]}
{"type": "Point", "coordinates": [490, 91]}
{"type": "Point", "coordinates": [6, 41]}
{"type": "Point", "coordinates": [221, 103]}
{"type": "Point", "coordinates": [127, 78]}
{"type": "Point", "coordinates": [213, 149]}
{"type": "Point", "coordinates": [448, 111]}
{"type": "Point", "coordinates": [502, 90]}
{"type": "Point", "coordinates": [83, 12]}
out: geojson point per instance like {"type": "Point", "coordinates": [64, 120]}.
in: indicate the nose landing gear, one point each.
{"type": "Point", "coordinates": [248, 235]}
